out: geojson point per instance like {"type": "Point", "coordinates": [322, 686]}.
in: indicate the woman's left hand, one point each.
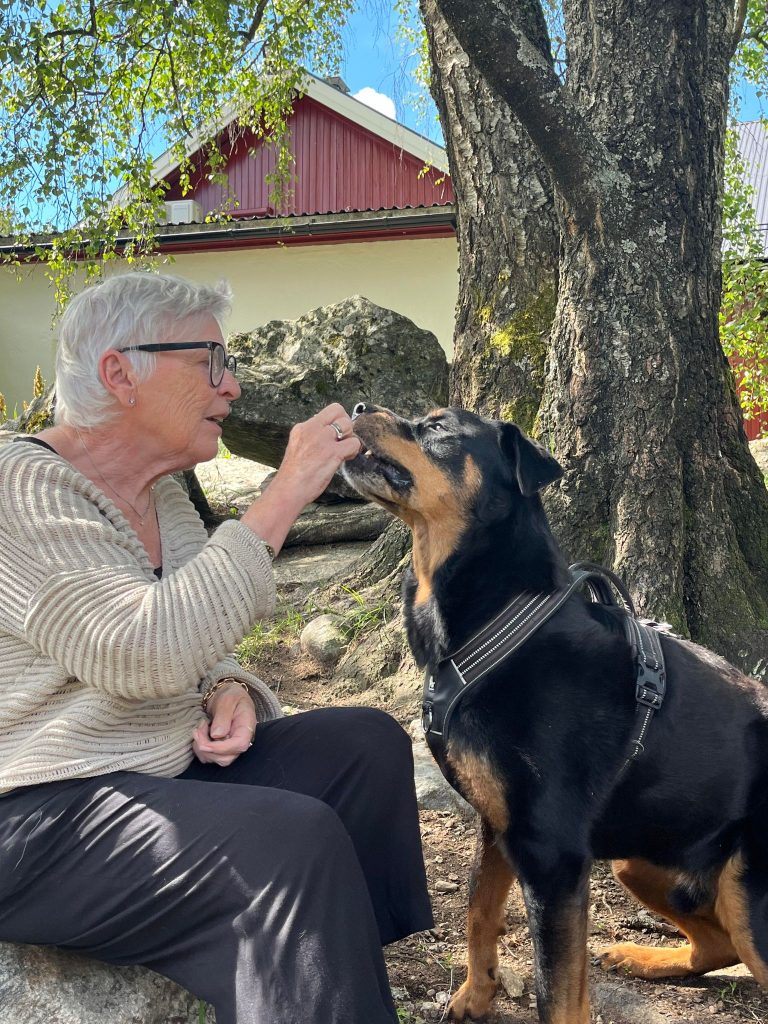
{"type": "Point", "coordinates": [230, 730]}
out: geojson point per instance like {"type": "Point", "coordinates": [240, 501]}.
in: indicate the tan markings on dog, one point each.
{"type": "Point", "coordinates": [438, 524]}
{"type": "Point", "coordinates": [710, 945]}
{"type": "Point", "coordinates": [732, 909]}
{"type": "Point", "coordinates": [435, 509]}
{"type": "Point", "coordinates": [481, 786]}
{"type": "Point", "coordinates": [486, 921]}
{"type": "Point", "coordinates": [570, 993]}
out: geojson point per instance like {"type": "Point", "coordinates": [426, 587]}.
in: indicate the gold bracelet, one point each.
{"type": "Point", "coordinates": [218, 685]}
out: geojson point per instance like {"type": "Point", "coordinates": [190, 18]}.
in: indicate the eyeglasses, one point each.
{"type": "Point", "coordinates": [218, 360]}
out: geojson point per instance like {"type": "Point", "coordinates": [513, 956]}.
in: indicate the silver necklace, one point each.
{"type": "Point", "coordinates": [141, 516]}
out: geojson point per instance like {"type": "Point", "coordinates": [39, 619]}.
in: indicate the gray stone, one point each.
{"type": "Point", "coordinates": [348, 352]}
{"type": "Point", "coordinates": [623, 1005]}
{"type": "Point", "coordinates": [37, 416]}
{"type": "Point", "coordinates": [433, 793]}
{"type": "Point", "coordinates": [324, 639]}
{"type": "Point", "coordinates": [759, 451]}
{"type": "Point", "coordinates": [301, 569]}
{"type": "Point", "coordinates": [444, 886]}
{"type": "Point", "coordinates": [513, 983]}
{"type": "Point", "coordinates": [41, 985]}
{"type": "Point", "coordinates": [231, 482]}
{"type": "Point", "coordinates": [341, 523]}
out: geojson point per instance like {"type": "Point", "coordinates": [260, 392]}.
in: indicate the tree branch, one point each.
{"type": "Point", "coordinates": [90, 31]}
{"type": "Point", "coordinates": [581, 167]}
{"type": "Point", "coordinates": [740, 15]}
{"type": "Point", "coordinates": [253, 28]}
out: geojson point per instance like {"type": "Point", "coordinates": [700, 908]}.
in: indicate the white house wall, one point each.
{"type": "Point", "coordinates": [416, 277]}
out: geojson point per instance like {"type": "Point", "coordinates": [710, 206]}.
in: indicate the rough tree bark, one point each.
{"type": "Point", "coordinates": [508, 231]}
{"type": "Point", "coordinates": [639, 403]}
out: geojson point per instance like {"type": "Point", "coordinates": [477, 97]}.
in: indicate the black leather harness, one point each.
{"type": "Point", "coordinates": [515, 624]}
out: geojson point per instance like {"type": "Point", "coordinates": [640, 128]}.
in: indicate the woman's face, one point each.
{"type": "Point", "coordinates": [176, 407]}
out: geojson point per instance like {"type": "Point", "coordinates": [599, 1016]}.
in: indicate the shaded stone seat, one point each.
{"type": "Point", "coordinates": [43, 985]}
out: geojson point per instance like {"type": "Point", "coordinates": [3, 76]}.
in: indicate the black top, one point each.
{"type": "Point", "coordinates": [36, 440]}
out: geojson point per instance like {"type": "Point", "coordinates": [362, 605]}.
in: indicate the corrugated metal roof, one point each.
{"type": "Point", "coordinates": [753, 150]}
{"type": "Point", "coordinates": [368, 225]}
{"type": "Point", "coordinates": [340, 167]}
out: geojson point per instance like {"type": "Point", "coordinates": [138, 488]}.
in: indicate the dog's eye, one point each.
{"type": "Point", "coordinates": [438, 427]}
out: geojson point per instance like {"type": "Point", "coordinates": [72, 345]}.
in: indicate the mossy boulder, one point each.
{"type": "Point", "coordinates": [347, 352]}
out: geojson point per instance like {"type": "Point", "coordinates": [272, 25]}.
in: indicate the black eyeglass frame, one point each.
{"type": "Point", "coordinates": [230, 362]}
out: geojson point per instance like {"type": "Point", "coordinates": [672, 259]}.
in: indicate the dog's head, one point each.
{"type": "Point", "coordinates": [444, 464]}
{"type": "Point", "coordinates": [444, 473]}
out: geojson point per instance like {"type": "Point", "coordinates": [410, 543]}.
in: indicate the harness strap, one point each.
{"type": "Point", "coordinates": [514, 625]}
{"type": "Point", "coordinates": [494, 643]}
{"type": "Point", "coordinates": [599, 585]}
{"type": "Point", "coordinates": [650, 683]}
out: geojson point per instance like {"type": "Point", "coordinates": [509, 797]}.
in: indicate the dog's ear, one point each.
{"type": "Point", "coordinates": [534, 466]}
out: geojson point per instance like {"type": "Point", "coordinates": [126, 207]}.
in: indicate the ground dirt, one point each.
{"type": "Point", "coordinates": [427, 968]}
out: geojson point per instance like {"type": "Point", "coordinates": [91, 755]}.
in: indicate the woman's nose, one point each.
{"type": "Point", "coordinates": [229, 386]}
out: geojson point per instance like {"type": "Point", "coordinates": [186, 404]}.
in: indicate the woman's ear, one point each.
{"type": "Point", "coordinates": [118, 376]}
{"type": "Point", "coordinates": [534, 466]}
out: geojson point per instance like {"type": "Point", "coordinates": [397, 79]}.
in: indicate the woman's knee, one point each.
{"type": "Point", "coordinates": [374, 735]}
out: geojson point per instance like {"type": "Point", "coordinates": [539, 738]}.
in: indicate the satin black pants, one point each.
{"type": "Point", "coordinates": [266, 888]}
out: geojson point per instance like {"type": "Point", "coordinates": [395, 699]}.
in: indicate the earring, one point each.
{"type": "Point", "coordinates": [131, 401]}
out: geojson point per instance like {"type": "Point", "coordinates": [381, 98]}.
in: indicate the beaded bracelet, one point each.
{"type": "Point", "coordinates": [218, 685]}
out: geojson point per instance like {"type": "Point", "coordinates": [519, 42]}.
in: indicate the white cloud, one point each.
{"type": "Point", "coordinates": [378, 100]}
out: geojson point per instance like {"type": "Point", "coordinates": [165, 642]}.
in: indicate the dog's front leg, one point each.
{"type": "Point", "coordinates": [556, 892]}
{"type": "Point", "coordinates": [491, 879]}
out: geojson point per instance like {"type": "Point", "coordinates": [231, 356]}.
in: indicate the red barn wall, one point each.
{"type": "Point", "coordinates": [339, 167]}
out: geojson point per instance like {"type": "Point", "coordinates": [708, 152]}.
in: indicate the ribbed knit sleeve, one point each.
{"type": "Point", "coordinates": [77, 583]}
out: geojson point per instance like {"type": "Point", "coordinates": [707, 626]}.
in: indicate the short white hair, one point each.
{"type": "Point", "coordinates": [127, 309]}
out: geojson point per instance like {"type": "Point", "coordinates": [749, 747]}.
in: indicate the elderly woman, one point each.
{"type": "Point", "coordinates": [155, 808]}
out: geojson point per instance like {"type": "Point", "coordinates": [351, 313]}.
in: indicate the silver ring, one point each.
{"type": "Point", "coordinates": [339, 431]}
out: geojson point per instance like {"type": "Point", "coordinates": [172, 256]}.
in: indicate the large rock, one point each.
{"type": "Point", "coordinates": [348, 352]}
{"type": "Point", "coordinates": [433, 791]}
{"type": "Point", "coordinates": [37, 416]}
{"type": "Point", "coordinates": [40, 985]}
{"type": "Point", "coordinates": [324, 639]}
{"type": "Point", "coordinates": [759, 451]}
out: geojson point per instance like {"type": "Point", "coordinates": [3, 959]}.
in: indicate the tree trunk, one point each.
{"type": "Point", "coordinates": [508, 233]}
{"type": "Point", "coordinates": [639, 403]}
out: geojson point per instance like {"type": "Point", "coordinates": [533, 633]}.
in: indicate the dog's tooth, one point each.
{"type": "Point", "coordinates": [368, 454]}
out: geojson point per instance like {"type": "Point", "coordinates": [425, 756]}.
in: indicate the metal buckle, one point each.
{"type": "Point", "coordinates": [426, 717]}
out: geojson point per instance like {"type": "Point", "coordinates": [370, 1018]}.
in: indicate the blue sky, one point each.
{"type": "Point", "coordinates": [377, 60]}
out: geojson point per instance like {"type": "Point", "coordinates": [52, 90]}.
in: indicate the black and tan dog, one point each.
{"type": "Point", "coordinates": [538, 744]}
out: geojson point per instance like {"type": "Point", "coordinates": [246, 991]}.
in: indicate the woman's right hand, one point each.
{"type": "Point", "coordinates": [315, 451]}
{"type": "Point", "coordinates": [313, 454]}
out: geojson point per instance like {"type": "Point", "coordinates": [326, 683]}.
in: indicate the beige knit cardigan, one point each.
{"type": "Point", "coordinates": [101, 663]}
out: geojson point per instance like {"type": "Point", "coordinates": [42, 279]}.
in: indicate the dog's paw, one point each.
{"type": "Point", "coordinates": [646, 961]}
{"type": "Point", "coordinates": [472, 1001]}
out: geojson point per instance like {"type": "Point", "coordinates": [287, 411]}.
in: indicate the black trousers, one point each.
{"type": "Point", "coordinates": [266, 888]}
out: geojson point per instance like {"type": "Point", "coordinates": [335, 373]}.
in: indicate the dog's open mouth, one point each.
{"type": "Point", "coordinates": [370, 468]}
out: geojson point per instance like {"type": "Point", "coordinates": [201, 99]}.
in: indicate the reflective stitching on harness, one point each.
{"type": "Point", "coordinates": [523, 602]}
{"type": "Point", "coordinates": [505, 634]}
